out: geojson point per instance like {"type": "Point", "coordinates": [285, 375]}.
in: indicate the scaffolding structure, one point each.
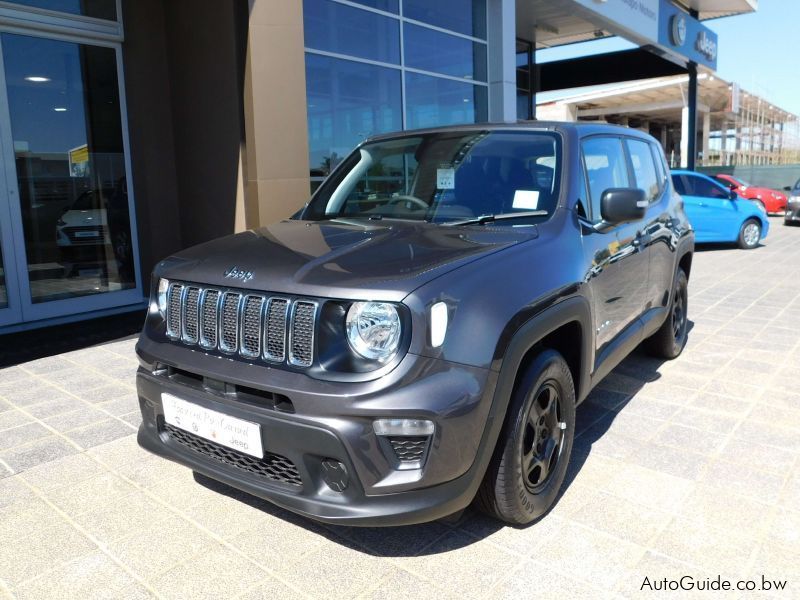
{"type": "Point", "coordinates": [751, 131]}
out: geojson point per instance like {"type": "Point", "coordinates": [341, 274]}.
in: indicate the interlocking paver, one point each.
{"type": "Point", "coordinates": [689, 467]}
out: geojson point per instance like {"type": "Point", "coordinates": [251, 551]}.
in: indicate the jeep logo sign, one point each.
{"type": "Point", "coordinates": [706, 46]}
{"type": "Point", "coordinates": [240, 274]}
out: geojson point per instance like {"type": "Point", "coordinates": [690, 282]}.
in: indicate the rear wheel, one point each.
{"type": "Point", "coordinates": [530, 462]}
{"type": "Point", "coordinates": [668, 342]}
{"type": "Point", "coordinates": [749, 234]}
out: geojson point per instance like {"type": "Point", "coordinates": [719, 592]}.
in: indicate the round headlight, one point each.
{"type": "Point", "coordinates": [163, 287]}
{"type": "Point", "coordinates": [373, 330]}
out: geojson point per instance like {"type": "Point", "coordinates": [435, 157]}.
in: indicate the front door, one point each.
{"type": "Point", "coordinates": [66, 235]}
{"type": "Point", "coordinates": [619, 272]}
{"type": "Point", "coordinates": [710, 210]}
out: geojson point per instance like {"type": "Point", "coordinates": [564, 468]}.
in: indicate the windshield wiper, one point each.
{"type": "Point", "coordinates": [483, 219]}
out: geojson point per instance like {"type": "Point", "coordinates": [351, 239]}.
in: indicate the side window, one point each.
{"type": "Point", "coordinates": [658, 158]}
{"type": "Point", "coordinates": [605, 167]}
{"type": "Point", "coordinates": [677, 183]}
{"type": "Point", "coordinates": [644, 170]}
{"type": "Point", "coordinates": [706, 189]}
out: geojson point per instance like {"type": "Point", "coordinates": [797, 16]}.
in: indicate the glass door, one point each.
{"type": "Point", "coordinates": [66, 168]}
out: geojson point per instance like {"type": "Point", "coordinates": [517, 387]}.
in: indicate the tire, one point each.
{"type": "Point", "coordinates": [531, 434]}
{"type": "Point", "coordinates": [670, 339]}
{"type": "Point", "coordinates": [748, 237]}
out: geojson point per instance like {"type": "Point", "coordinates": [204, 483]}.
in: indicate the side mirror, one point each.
{"type": "Point", "coordinates": [787, 188]}
{"type": "Point", "coordinates": [732, 195]}
{"type": "Point", "coordinates": [620, 205]}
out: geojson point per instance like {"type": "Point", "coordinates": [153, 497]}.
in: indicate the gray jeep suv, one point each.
{"type": "Point", "coordinates": [419, 335]}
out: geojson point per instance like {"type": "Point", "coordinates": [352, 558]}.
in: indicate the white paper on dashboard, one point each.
{"type": "Point", "coordinates": [445, 179]}
{"type": "Point", "coordinates": [527, 199]}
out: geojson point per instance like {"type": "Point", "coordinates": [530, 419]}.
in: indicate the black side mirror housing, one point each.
{"type": "Point", "coordinates": [621, 205]}
{"type": "Point", "coordinates": [787, 188]}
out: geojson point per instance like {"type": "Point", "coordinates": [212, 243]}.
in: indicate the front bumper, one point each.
{"type": "Point", "coordinates": [328, 423]}
{"type": "Point", "coordinates": [792, 214]}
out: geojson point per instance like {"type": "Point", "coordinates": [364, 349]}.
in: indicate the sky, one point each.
{"type": "Point", "coordinates": [759, 51]}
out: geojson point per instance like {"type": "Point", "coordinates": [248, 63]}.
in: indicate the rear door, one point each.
{"type": "Point", "coordinates": [619, 271]}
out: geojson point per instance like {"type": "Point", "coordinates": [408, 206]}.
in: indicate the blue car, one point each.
{"type": "Point", "coordinates": [719, 214]}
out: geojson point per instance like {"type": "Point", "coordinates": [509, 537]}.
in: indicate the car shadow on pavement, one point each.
{"type": "Point", "coordinates": [594, 418]}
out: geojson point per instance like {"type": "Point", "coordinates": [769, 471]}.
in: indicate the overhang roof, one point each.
{"type": "Point", "coordinates": [558, 22]}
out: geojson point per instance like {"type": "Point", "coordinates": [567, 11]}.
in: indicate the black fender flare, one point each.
{"type": "Point", "coordinates": [573, 309]}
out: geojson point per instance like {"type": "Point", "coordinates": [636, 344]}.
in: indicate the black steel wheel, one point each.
{"type": "Point", "coordinates": [668, 342]}
{"type": "Point", "coordinates": [530, 462]}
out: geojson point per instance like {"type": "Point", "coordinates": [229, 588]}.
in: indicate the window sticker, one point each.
{"type": "Point", "coordinates": [445, 179]}
{"type": "Point", "coordinates": [527, 199]}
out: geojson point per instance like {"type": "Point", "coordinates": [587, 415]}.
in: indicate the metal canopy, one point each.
{"type": "Point", "coordinates": [557, 22]}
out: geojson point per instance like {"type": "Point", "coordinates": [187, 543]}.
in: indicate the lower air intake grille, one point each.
{"type": "Point", "coordinates": [409, 448]}
{"type": "Point", "coordinates": [272, 466]}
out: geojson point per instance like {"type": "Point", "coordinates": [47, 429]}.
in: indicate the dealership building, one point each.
{"type": "Point", "coordinates": [130, 129]}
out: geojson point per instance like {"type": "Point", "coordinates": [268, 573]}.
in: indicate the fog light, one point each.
{"type": "Point", "coordinates": [334, 474]}
{"type": "Point", "coordinates": [403, 427]}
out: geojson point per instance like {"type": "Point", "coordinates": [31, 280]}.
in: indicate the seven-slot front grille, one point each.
{"type": "Point", "coordinates": [256, 327]}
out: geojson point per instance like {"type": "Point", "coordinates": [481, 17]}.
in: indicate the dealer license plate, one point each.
{"type": "Point", "coordinates": [87, 234]}
{"type": "Point", "coordinates": [213, 426]}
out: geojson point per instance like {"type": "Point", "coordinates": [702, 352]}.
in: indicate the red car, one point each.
{"type": "Point", "coordinates": [772, 201]}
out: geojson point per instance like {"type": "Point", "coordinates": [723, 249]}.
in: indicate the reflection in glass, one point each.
{"type": "Point", "coordinates": [463, 16]}
{"type": "Point", "coordinates": [70, 164]}
{"type": "Point", "coordinates": [3, 290]}
{"type": "Point", "coordinates": [347, 102]}
{"type": "Point", "coordinates": [99, 9]}
{"type": "Point", "coordinates": [387, 5]}
{"type": "Point", "coordinates": [432, 50]}
{"type": "Point", "coordinates": [431, 101]}
{"type": "Point", "coordinates": [343, 29]}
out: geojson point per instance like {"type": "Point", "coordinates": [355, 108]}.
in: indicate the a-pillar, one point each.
{"type": "Point", "coordinates": [276, 128]}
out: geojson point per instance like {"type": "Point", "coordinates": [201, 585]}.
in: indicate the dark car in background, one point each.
{"type": "Point", "coordinates": [420, 334]}
{"type": "Point", "coordinates": [792, 215]}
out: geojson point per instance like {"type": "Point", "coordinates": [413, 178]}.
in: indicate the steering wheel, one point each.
{"type": "Point", "coordinates": [405, 198]}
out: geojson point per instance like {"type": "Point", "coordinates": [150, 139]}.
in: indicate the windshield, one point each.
{"type": "Point", "coordinates": [445, 177]}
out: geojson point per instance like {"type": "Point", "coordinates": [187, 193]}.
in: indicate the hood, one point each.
{"type": "Point", "coordinates": [380, 260]}
{"type": "Point", "coordinates": [82, 218]}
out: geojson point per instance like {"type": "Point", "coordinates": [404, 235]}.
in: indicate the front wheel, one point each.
{"type": "Point", "coordinates": [530, 462]}
{"type": "Point", "coordinates": [749, 234]}
{"type": "Point", "coordinates": [668, 342]}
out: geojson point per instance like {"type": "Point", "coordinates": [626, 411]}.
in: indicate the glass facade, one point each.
{"type": "Point", "coordinates": [99, 9]}
{"type": "Point", "coordinates": [390, 65]}
{"type": "Point", "coordinates": [525, 66]}
{"type": "Point", "coordinates": [64, 107]}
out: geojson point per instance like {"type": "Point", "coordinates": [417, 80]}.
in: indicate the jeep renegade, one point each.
{"type": "Point", "coordinates": [419, 335]}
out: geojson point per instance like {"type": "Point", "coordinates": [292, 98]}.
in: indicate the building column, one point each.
{"type": "Point", "coordinates": [684, 137]}
{"type": "Point", "coordinates": [502, 49]}
{"type": "Point", "coordinates": [691, 126]}
{"type": "Point", "coordinates": [276, 128]}
{"type": "Point", "coordinates": [706, 134]}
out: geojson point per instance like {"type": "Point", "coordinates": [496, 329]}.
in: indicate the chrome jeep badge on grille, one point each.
{"type": "Point", "coordinates": [240, 274]}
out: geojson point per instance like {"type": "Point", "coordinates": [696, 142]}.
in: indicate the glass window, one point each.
{"type": "Point", "coordinates": [70, 163]}
{"type": "Point", "coordinates": [432, 101]}
{"type": "Point", "coordinates": [99, 9]}
{"type": "Point", "coordinates": [677, 183]}
{"type": "Point", "coordinates": [445, 176]}
{"type": "Point", "coordinates": [706, 188]}
{"type": "Point", "coordinates": [606, 168]}
{"type": "Point", "coordinates": [334, 27]}
{"type": "Point", "coordinates": [463, 16]}
{"type": "Point", "coordinates": [658, 159]}
{"type": "Point", "coordinates": [387, 5]}
{"type": "Point", "coordinates": [432, 50]}
{"type": "Point", "coordinates": [347, 102]}
{"type": "Point", "coordinates": [644, 170]}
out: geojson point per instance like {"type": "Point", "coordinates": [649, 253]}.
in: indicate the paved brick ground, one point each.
{"type": "Point", "coordinates": [683, 468]}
